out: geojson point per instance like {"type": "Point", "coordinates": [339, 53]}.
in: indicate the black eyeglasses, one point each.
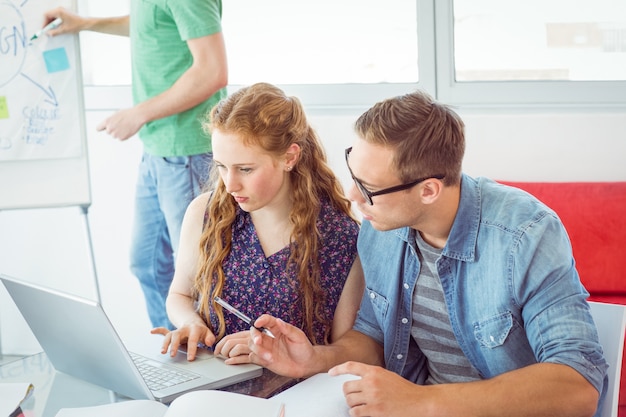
{"type": "Point", "coordinates": [367, 194]}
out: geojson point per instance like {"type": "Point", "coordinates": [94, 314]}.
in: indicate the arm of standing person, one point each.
{"type": "Point", "coordinates": [73, 23]}
{"type": "Point", "coordinates": [190, 327]}
{"type": "Point", "coordinates": [235, 346]}
{"type": "Point", "coordinates": [207, 75]}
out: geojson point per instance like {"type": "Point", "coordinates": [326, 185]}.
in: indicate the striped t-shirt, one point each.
{"type": "Point", "coordinates": [431, 327]}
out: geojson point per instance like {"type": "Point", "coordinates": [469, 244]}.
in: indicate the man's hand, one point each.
{"type": "Point", "coordinates": [290, 353]}
{"type": "Point", "coordinates": [122, 124]}
{"type": "Point", "coordinates": [381, 393]}
{"type": "Point", "coordinates": [72, 23]}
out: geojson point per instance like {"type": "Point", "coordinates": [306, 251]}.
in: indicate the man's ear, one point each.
{"type": "Point", "coordinates": [431, 190]}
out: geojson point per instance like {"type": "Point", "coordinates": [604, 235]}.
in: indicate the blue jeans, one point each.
{"type": "Point", "coordinates": [165, 187]}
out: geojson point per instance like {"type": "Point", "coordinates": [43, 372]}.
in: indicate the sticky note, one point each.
{"type": "Point", "coordinates": [4, 108]}
{"type": "Point", "coordinates": [56, 60]}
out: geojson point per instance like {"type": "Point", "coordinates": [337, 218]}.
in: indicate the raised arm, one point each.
{"type": "Point", "coordinates": [73, 23]}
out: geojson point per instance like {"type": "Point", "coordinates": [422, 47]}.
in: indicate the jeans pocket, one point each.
{"type": "Point", "coordinates": [176, 161]}
{"type": "Point", "coordinates": [493, 331]}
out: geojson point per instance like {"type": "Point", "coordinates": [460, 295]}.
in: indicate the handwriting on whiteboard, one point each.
{"type": "Point", "coordinates": [39, 96]}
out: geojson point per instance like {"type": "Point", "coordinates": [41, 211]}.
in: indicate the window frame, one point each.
{"type": "Point", "coordinates": [357, 95]}
{"type": "Point", "coordinates": [435, 36]}
{"type": "Point", "coordinates": [523, 93]}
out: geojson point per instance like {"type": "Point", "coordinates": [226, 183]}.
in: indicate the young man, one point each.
{"type": "Point", "coordinates": [472, 305]}
{"type": "Point", "coordinates": [179, 73]}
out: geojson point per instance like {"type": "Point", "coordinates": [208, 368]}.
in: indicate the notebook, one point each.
{"type": "Point", "coordinates": [79, 340]}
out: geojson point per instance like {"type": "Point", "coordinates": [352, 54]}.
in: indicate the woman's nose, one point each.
{"type": "Point", "coordinates": [232, 183]}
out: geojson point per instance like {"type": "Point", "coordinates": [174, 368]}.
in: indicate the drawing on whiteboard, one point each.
{"type": "Point", "coordinates": [12, 36]}
{"type": "Point", "coordinates": [39, 99]}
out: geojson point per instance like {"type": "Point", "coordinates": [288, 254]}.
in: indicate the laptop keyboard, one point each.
{"type": "Point", "coordinates": [158, 375]}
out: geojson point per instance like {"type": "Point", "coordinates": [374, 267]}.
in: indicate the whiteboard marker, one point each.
{"type": "Point", "coordinates": [52, 25]}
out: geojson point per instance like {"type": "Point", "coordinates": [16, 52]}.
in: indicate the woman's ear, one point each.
{"type": "Point", "coordinates": [292, 156]}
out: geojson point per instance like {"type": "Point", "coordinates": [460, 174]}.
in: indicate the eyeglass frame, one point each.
{"type": "Point", "coordinates": [367, 194]}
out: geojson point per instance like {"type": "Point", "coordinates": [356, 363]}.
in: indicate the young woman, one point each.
{"type": "Point", "coordinates": [275, 234]}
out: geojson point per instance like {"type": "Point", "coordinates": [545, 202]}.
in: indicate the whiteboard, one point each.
{"type": "Point", "coordinates": [43, 147]}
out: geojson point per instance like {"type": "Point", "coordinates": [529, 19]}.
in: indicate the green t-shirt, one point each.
{"type": "Point", "coordinates": [159, 30]}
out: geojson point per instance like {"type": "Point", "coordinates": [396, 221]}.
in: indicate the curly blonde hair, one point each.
{"type": "Point", "coordinates": [262, 115]}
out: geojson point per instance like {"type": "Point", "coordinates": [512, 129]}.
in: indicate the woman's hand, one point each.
{"type": "Point", "coordinates": [191, 334]}
{"type": "Point", "coordinates": [234, 347]}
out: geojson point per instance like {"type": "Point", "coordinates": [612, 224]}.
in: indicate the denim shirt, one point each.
{"type": "Point", "coordinates": [511, 288]}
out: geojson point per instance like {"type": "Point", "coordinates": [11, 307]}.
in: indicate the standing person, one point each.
{"type": "Point", "coordinates": [179, 72]}
{"type": "Point", "coordinates": [276, 235]}
{"type": "Point", "coordinates": [472, 307]}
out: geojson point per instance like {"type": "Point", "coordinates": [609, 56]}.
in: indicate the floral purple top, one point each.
{"type": "Point", "coordinates": [256, 284]}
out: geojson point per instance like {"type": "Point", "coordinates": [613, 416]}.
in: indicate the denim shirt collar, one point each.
{"type": "Point", "coordinates": [461, 243]}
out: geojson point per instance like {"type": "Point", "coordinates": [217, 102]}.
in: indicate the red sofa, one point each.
{"type": "Point", "coordinates": [594, 215]}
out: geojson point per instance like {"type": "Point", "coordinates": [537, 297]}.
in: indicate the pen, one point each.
{"type": "Point", "coordinates": [242, 316]}
{"type": "Point", "coordinates": [52, 25]}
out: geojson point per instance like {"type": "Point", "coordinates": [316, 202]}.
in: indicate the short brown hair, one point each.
{"type": "Point", "coordinates": [428, 137]}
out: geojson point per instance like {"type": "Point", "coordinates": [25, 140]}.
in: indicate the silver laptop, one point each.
{"type": "Point", "coordinates": [79, 340]}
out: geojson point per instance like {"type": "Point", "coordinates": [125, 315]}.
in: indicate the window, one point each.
{"type": "Point", "coordinates": [536, 51]}
{"type": "Point", "coordinates": [326, 52]}
{"type": "Point", "coordinates": [355, 52]}
{"type": "Point", "coordinates": [105, 58]}
{"type": "Point", "coordinates": [539, 40]}
{"type": "Point", "coordinates": [321, 42]}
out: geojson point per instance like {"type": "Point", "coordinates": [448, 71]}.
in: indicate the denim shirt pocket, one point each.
{"type": "Point", "coordinates": [492, 332]}
{"type": "Point", "coordinates": [379, 303]}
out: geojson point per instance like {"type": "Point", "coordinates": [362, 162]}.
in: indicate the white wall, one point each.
{"type": "Point", "coordinates": [49, 245]}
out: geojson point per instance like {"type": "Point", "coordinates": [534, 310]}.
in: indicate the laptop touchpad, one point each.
{"type": "Point", "coordinates": [201, 353]}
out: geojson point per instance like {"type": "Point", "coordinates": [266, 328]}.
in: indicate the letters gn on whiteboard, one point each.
{"type": "Point", "coordinates": [39, 103]}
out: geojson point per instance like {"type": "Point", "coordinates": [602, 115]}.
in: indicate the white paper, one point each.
{"type": "Point", "coordinates": [134, 408]}
{"type": "Point", "coordinates": [318, 396]}
{"type": "Point", "coordinates": [195, 403]}
{"type": "Point", "coordinates": [223, 403]}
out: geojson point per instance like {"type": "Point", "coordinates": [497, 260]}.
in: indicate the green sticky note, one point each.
{"type": "Point", "coordinates": [4, 109]}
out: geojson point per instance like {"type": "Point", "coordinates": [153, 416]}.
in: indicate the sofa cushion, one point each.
{"type": "Point", "coordinates": [594, 215]}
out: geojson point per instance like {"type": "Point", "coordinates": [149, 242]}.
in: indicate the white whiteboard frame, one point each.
{"type": "Point", "coordinates": [47, 183]}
